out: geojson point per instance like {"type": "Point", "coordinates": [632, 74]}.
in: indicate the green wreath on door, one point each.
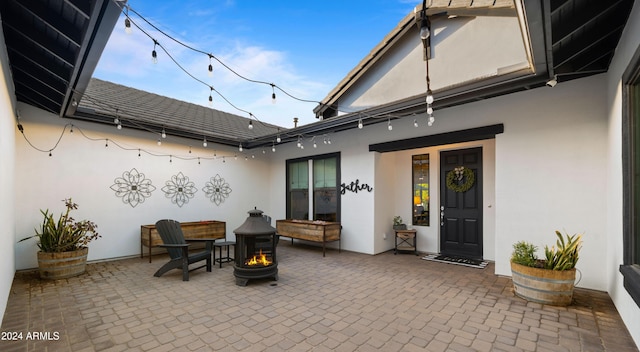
{"type": "Point", "coordinates": [460, 179]}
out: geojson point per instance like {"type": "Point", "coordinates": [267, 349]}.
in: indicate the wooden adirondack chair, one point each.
{"type": "Point", "coordinates": [178, 248]}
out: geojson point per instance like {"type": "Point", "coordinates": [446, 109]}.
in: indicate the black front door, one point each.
{"type": "Point", "coordinates": [460, 209]}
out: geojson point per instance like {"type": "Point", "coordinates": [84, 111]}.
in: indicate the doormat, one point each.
{"type": "Point", "coordinates": [472, 263]}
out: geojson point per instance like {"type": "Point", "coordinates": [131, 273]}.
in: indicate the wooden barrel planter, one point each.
{"type": "Point", "coordinates": [62, 265]}
{"type": "Point", "coordinates": [544, 286]}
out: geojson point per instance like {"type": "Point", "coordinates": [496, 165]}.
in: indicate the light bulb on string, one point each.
{"type": "Point", "coordinates": [250, 125]}
{"type": "Point", "coordinates": [429, 110]}
{"type": "Point", "coordinates": [210, 66]}
{"type": "Point", "coordinates": [106, 143]}
{"type": "Point", "coordinates": [315, 145]}
{"type": "Point", "coordinates": [164, 134]}
{"type": "Point", "coordinates": [127, 22]}
{"type": "Point", "coordinates": [127, 26]}
{"type": "Point", "coordinates": [210, 96]}
{"type": "Point", "coordinates": [278, 139]}
{"type": "Point", "coordinates": [415, 123]}
{"type": "Point", "coordinates": [273, 94]}
{"type": "Point", "coordinates": [240, 147]}
{"type": "Point", "coordinates": [429, 98]}
{"type": "Point", "coordinates": [389, 126]}
{"type": "Point", "coordinates": [138, 153]}
{"type": "Point", "coordinates": [273, 148]}
{"type": "Point", "coordinates": [189, 149]}
{"type": "Point", "coordinates": [154, 54]}
{"type": "Point", "coordinates": [424, 28]}
{"type": "Point", "coordinates": [204, 142]}
{"type": "Point", "coordinates": [71, 130]}
{"type": "Point", "coordinates": [119, 126]}
{"type": "Point", "coordinates": [159, 141]}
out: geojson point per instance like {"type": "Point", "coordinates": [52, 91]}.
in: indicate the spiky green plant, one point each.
{"type": "Point", "coordinates": [564, 255]}
{"type": "Point", "coordinates": [64, 234]}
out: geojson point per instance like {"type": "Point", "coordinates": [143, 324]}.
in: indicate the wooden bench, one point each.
{"type": "Point", "coordinates": [308, 230]}
{"type": "Point", "coordinates": [150, 238]}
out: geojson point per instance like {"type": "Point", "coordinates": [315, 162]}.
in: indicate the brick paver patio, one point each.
{"type": "Point", "coordinates": [343, 302]}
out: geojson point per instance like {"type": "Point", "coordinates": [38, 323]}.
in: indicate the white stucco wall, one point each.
{"type": "Point", "coordinates": [492, 44]}
{"type": "Point", "coordinates": [629, 43]}
{"type": "Point", "coordinates": [85, 169]}
{"type": "Point", "coordinates": [7, 164]}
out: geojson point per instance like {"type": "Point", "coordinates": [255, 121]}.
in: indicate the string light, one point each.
{"type": "Point", "coordinates": [278, 139]}
{"type": "Point", "coordinates": [415, 123]}
{"type": "Point", "coordinates": [250, 125]}
{"type": "Point", "coordinates": [127, 8]}
{"type": "Point", "coordinates": [240, 147]}
{"type": "Point", "coordinates": [429, 96]}
{"type": "Point", "coordinates": [164, 134]}
{"type": "Point", "coordinates": [154, 54]}
{"type": "Point", "coordinates": [204, 142]}
{"type": "Point", "coordinates": [273, 147]}
{"type": "Point", "coordinates": [389, 127]}
{"type": "Point", "coordinates": [360, 125]}
{"type": "Point", "coordinates": [273, 93]}
{"type": "Point", "coordinates": [299, 144]}
{"type": "Point", "coordinates": [127, 22]}
{"type": "Point", "coordinates": [210, 66]}
{"type": "Point", "coordinates": [106, 143]}
{"type": "Point", "coordinates": [159, 141]}
{"type": "Point", "coordinates": [210, 96]}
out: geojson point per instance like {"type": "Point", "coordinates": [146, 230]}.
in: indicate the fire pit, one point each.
{"type": "Point", "coordinates": [255, 256]}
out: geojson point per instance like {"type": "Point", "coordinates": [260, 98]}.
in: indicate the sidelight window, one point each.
{"type": "Point", "coordinates": [420, 199]}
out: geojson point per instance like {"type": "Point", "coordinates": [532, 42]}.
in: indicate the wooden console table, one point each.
{"type": "Point", "coordinates": [308, 230]}
{"type": "Point", "coordinates": [150, 238]}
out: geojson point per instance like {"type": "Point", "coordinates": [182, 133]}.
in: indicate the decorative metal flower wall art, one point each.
{"type": "Point", "coordinates": [217, 189]}
{"type": "Point", "coordinates": [133, 187]}
{"type": "Point", "coordinates": [179, 189]}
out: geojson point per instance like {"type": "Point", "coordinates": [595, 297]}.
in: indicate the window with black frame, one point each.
{"type": "Point", "coordinates": [323, 185]}
{"type": "Point", "coordinates": [630, 268]}
{"type": "Point", "coordinates": [420, 199]}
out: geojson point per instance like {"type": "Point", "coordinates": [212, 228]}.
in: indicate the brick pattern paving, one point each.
{"type": "Point", "coordinates": [343, 302]}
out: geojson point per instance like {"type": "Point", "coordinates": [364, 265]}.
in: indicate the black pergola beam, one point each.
{"type": "Point", "coordinates": [468, 135]}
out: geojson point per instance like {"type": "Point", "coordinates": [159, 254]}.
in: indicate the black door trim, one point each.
{"type": "Point", "coordinates": [468, 135]}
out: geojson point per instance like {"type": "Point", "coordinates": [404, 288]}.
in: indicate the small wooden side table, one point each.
{"type": "Point", "coordinates": [406, 240]}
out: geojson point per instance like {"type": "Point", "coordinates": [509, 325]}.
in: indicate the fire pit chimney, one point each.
{"type": "Point", "coordinates": [255, 256]}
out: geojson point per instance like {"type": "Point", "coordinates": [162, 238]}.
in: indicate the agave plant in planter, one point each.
{"type": "Point", "coordinates": [63, 243]}
{"type": "Point", "coordinates": [550, 280]}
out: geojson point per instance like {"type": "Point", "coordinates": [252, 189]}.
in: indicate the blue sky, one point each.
{"type": "Point", "coordinates": [305, 48]}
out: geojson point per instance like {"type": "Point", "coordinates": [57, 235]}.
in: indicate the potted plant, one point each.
{"type": "Point", "coordinates": [63, 243]}
{"type": "Point", "coordinates": [398, 224]}
{"type": "Point", "coordinates": [550, 280]}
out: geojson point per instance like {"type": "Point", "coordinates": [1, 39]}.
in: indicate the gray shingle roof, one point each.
{"type": "Point", "coordinates": [152, 112]}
